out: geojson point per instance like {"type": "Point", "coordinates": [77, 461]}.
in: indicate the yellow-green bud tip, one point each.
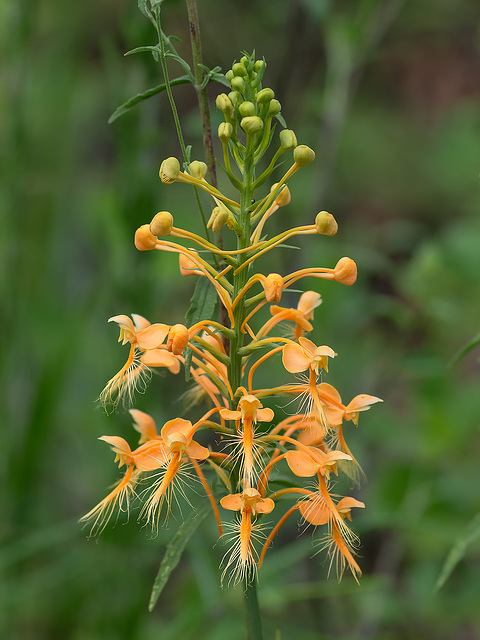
{"type": "Point", "coordinates": [274, 108]}
{"type": "Point", "coordinates": [169, 170]}
{"type": "Point", "coordinates": [246, 109]}
{"type": "Point", "coordinates": [225, 131]}
{"type": "Point", "coordinates": [197, 169]}
{"type": "Point", "coordinates": [283, 197]}
{"type": "Point", "coordinates": [162, 224]}
{"type": "Point", "coordinates": [218, 219]}
{"type": "Point", "coordinates": [239, 69]}
{"type": "Point", "coordinates": [303, 155]}
{"type": "Point", "coordinates": [326, 224]}
{"type": "Point", "coordinates": [288, 140]}
{"type": "Point", "coordinates": [265, 95]}
{"type": "Point", "coordinates": [224, 103]}
{"type": "Point", "coordinates": [238, 83]}
{"type": "Point", "coordinates": [252, 125]}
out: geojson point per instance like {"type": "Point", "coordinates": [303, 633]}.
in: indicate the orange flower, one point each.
{"type": "Point", "coordinates": [309, 461]}
{"type": "Point", "coordinates": [120, 494]}
{"type": "Point", "coordinates": [144, 339]}
{"type": "Point", "coordinates": [242, 556]}
{"type": "Point", "coordinates": [176, 447]}
{"type": "Point", "coordinates": [249, 412]}
{"type": "Point", "coordinates": [302, 315]}
{"type": "Point", "coordinates": [306, 355]}
{"type": "Point", "coordinates": [340, 541]}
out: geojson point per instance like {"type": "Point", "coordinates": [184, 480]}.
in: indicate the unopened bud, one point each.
{"type": "Point", "coordinates": [187, 265]}
{"type": "Point", "coordinates": [162, 224]}
{"type": "Point", "coordinates": [273, 287]}
{"type": "Point", "coordinates": [239, 69]}
{"type": "Point", "coordinates": [229, 75]}
{"type": "Point", "coordinates": [259, 65]}
{"type": "Point", "coordinates": [265, 95]}
{"type": "Point", "coordinates": [252, 125]}
{"type": "Point", "coordinates": [177, 339]}
{"type": "Point", "coordinates": [197, 169]}
{"type": "Point", "coordinates": [345, 271]}
{"type": "Point", "coordinates": [326, 224]}
{"type": "Point", "coordinates": [144, 239]}
{"type": "Point", "coordinates": [288, 140]}
{"type": "Point", "coordinates": [234, 97]}
{"type": "Point", "coordinates": [246, 109]}
{"type": "Point", "coordinates": [274, 108]}
{"type": "Point", "coordinates": [225, 131]}
{"type": "Point", "coordinates": [283, 197]}
{"type": "Point", "coordinates": [303, 155]}
{"type": "Point", "coordinates": [238, 84]}
{"type": "Point", "coordinates": [224, 103]}
{"type": "Point", "coordinates": [169, 170]}
{"type": "Point", "coordinates": [218, 219]}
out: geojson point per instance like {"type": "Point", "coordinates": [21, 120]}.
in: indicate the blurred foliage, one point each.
{"type": "Point", "coordinates": [388, 94]}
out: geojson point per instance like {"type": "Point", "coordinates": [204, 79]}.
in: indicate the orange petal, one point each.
{"type": "Point", "coordinates": [314, 511]}
{"type": "Point", "coordinates": [264, 505]}
{"type": "Point", "coordinates": [144, 424]}
{"type": "Point", "coordinates": [140, 322]}
{"type": "Point", "coordinates": [118, 444]}
{"type": "Point", "coordinates": [265, 415]}
{"type": "Point", "coordinates": [153, 336]}
{"type": "Point", "coordinates": [124, 322]}
{"type": "Point", "coordinates": [150, 456]}
{"type": "Point", "coordinates": [178, 425]}
{"type": "Point", "coordinates": [229, 415]}
{"type": "Point", "coordinates": [196, 451]}
{"type": "Point", "coordinates": [327, 390]}
{"type": "Point", "coordinates": [302, 464]}
{"type": "Point", "coordinates": [294, 358]}
{"type": "Point", "coordinates": [232, 502]}
{"type": "Point", "coordinates": [161, 358]}
{"type": "Point", "coordinates": [307, 345]}
{"type": "Point", "coordinates": [346, 504]}
{"type": "Point", "coordinates": [309, 301]}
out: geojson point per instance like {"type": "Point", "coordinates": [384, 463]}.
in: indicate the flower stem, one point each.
{"type": "Point", "coordinates": [254, 622]}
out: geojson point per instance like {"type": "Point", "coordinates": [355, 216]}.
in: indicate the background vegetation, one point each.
{"type": "Point", "coordinates": [388, 94]}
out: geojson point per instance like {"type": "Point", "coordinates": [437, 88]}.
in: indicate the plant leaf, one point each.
{"type": "Point", "coordinates": [147, 47]}
{"type": "Point", "coordinates": [202, 307]}
{"type": "Point", "coordinates": [174, 551]}
{"type": "Point", "coordinates": [126, 106]}
{"type": "Point", "coordinates": [457, 552]}
{"type": "Point", "coordinates": [465, 349]}
{"type": "Point", "coordinates": [142, 5]}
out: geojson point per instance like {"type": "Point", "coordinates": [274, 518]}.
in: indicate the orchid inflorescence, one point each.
{"type": "Point", "coordinates": [222, 353]}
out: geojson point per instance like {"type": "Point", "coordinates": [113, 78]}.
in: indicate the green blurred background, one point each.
{"type": "Point", "coordinates": [388, 95]}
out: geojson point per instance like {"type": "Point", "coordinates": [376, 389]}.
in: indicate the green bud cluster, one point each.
{"type": "Point", "coordinates": [249, 110]}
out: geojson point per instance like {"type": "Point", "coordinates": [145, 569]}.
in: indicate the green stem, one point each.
{"type": "Point", "coordinates": [201, 92]}
{"type": "Point", "coordinates": [163, 62]}
{"type": "Point", "coordinates": [254, 621]}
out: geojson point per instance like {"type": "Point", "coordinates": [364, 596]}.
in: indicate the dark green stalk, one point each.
{"type": "Point", "coordinates": [201, 91]}
{"type": "Point", "coordinates": [254, 621]}
{"type": "Point", "coordinates": [254, 625]}
{"type": "Point", "coordinates": [173, 106]}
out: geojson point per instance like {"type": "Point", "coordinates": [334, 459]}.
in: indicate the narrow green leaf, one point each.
{"type": "Point", "coordinates": [181, 61]}
{"type": "Point", "coordinates": [202, 307]}
{"type": "Point", "coordinates": [457, 552]}
{"type": "Point", "coordinates": [281, 119]}
{"type": "Point", "coordinates": [142, 5]}
{"type": "Point", "coordinates": [126, 106]}
{"type": "Point", "coordinates": [174, 551]}
{"type": "Point", "coordinates": [465, 349]}
{"type": "Point", "coordinates": [150, 48]}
